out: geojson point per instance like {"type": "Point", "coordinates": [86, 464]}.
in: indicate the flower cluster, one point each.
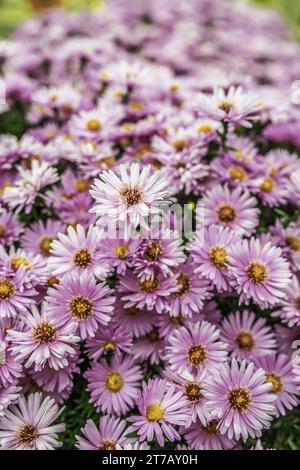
{"type": "Point", "coordinates": [181, 333]}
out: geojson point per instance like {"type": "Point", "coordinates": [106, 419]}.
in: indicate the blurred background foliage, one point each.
{"type": "Point", "coordinates": [12, 12]}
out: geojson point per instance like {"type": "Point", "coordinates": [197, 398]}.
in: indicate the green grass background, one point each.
{"type": "Point", "coordinates": [285, 432]}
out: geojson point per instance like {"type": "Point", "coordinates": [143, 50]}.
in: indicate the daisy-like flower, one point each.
{"type": "Point", "coordinates": [77, 251]}
{"type": "Point", "coordinates": [38, 237]}
{"type": "Point", "coordinates": [161, 408]}
{"type": "Point", "coordinates": [131, 197]}
{"type": "Point", "coordinates": [8, 396]}
{"type": "Point", "coordinates": [112, 340]}
{"type": "Point", "coordinates": [110, 433]}
{"type": "Point", "coordinates": [81, 300]}
{"type": "Point", "coordinates": [241, 399]}
{"type": "Point", "coordinates": [207, 437]}
{"type": "Point", "coordinates": [29, 424]}
{"type": "Point", "coordinates": [259, 272]}
{"type": "Point", "coordinates": [132, 319]}
{"type": "Point", "coordinates": [211, 254]}
{"type": "Point", "coordinates": [114, 388]}
{"type": "Point", "coordinates": [15, 297]}
{"type": "Point", "coordinates": [22, 194]}
{"type": "Point", "coordinates": [118, 252]}
{"type": "Point", "coordinates": [43, 341]}
{"type": "Point", "coordinates": [235, 106]}
{"type": "Point", "coordinates": [290, 304]}
{"type": "Point", "coordinates": [196, 347]}
{"type": "Point", "coordinates": [235, 209]}
{"type": "Point", "coordinates": [149, 293]}
{"type": "Point", "coordinates": [279, 373]}
{"type": "Point", "coordinates": [149, 347]}
{"type": "Point", "coordinates": [192, 291]}
{"type": "Point", "coordinates": [248, 337]}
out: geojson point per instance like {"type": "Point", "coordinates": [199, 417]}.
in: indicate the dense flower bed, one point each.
{"type": "Point", "coordinates": [177, 339]}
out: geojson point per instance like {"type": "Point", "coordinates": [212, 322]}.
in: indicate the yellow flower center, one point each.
{"type": "Point", "coordinates": [82, 258]}
{"type": "Point", "coordinates": [26, 434]}
{"type": "Point", "coordinates": [205, 129]}
{"type": "Point", "coordinates": [114, 382]}
{"type": "Point", "coordinates": [121, 251]}
{"type": "Point", "coordinates": [267, 185]}
{"type": "Point", "coordinates": [293, 243]}
{"type": "Point", "coordinates": [3, 230]}
{"type": "Point", "coordinates": [153, 335]}
{"type": "Point", "coordinates": [154, 251]}
{"type": "Point", "coordinates": [44, 333]}
{"type": "Point", "coordinates": [211, 428]}
{"type": "Point", "coordinates": [80, 308]}
{"type": "Point", "coordinates": [218, 256]}
{"type": "Point", "coordinates": [131, 195]}
{"type": "Point", "coordinates": [240, 399]}
{"type": "Point", "coordinates": [193, 391]}
{"type": "Point", "coordinates": [257, 272]}
{"type": "Point", "coordinates": [45, 245]}
{"type": "Point", "coordinates": [7, 289]}
{"type": "Point", "coordinates": [155, 412]}
{"type": "Point", "coordinates": [226, 213]}
{"type": "Point", "coordinates": [149, 285]}
{"type": "Point", "coordinates": [82, 186]}
{"type": "Point", "coordinates": [179, 144]}
{"type": "Point", "coordinates": [245, 340]}
{"type": "Point", "coordinates": [197, 355]}
{"type": "Point", "coordinates": [94, 125]}
{"type": "Point", "coordinates": [237, 173]}
{"type": "Point", "coordinates": [132, 311]}
{"type": "Point", "coordinates": [107, 445]}
{"type": "Point", "coordinates": [184, 284]}
{"type": "Point", "coordinates": [136, 106]}
{"type": "Point", "coordinates": [109, 346]}
{"type": "Point", "coordinates": [276, 382]}
{"type": "Point", "coordinates": [16, 262]}
{"type": "Point", "coordinates": [226, 106]}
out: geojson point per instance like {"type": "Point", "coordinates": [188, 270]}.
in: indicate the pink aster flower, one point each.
{"type": "Point", "coordinates": [110, 341]}
{"type": "Point", "coordinates": [289, 312]}
{"type": "Point", "coordinates": [15, 297]}
{"type": "Point", "coordinates": [77, 251]}
{"type": "Point", "coordinates": [81, 300]}
{"type": "Point", "coordinates": [43, 341]}
{"type": "Point", "coordinates": [192, 291]}
{"type": "Point", "coordinates": [132, 319]}
{"type": "Point", "coordinates": [110, 433]}
{"type": "Point", "coordinates": [114, 388]}
{"type": "Point", "coordinates": [149, 347]}
{"type": "Point", "coordinates": [211, 254]}
{"type": "Point", "coordinates": [235, 209]}
{"type": "Point", "coordinates": [259, 272]}
{"type": "Point", "coordinates": [28, 425]}
{"type": "Point", "coordinates": [117, 252]}
{"type": "Point", "coordinates": [38, 237]}
{"type": "Point", "coordinates": [248, 337]}
{"type": "Point", "coordinates": [279, 373]}
{"type": "Point", "coordinates": [161, 409]}
{"type": "Point", "coordinates": [131, 197]}
{"type": "Point", "coordinates": [241, 399]}
{"type": "Point", "coordinates": [207, 437]}
{"type": "Point", "coordinates": [195, 347]}
{"type": "Point", "coordinates": [149, 293]}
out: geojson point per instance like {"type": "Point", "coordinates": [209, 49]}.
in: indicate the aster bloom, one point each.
{"type": "Point", "coordinates": [113, 341]}
{"type": "Point", "coordinates": [149, 347]}
{"type": "Point", "coordinates": [132, 319]}
{"type": "Point", "coordinates": [77, 250]}
{"type": "Point", "coordinates": [247, 337]}
{"type": "Point", "coordinates": [211, 255]}
{"type": "Point", "coordinates": [259, 272]}
{"type": "Point", "coordinates": [114, 388]}
{"type": "Point", "coordinates": [81, 300]}
{"type": "Point", "coordinates": [110, 433]}
{"type": "Point", "coordinates": [117, 253]}
{"type": "Point", "coordinates": [208, 437]}
{"type": "Point", "coordinates": [28, 425]}
{"type": "Point", "coordinates": [43, 341]}
{"type": "Point", "coordinates": [196, 347]}
{"type": "Point", "coordinates": [235, 209]}
{"type": "Point", "coordinates": [39, 236]}
{"type": "Point", "coordinates": [130, 197]}
{"type": "Point", "coordinates": [161, 409]}
{"type": "Point", "coordinates": [14, 295]}
{"type": "Point", "coordinates": [280, 374]}
{"type": "Point", "coordinates": [290, 304]}
{"type": "Point", "coordinates": [241, 399]}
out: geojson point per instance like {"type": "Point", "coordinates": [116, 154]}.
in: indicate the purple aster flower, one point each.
{"type": "Point", "coordinates": [81, 300]}
{"type": "Point", "coordinates": [77, 251]}
{"type": "Point", "coordinates": [114, 388]}
{"type": "Point", "coordinates": [289, 312]}
{"type": "Point", "coordinates": [241, 399]}
{"type": "Point", "coordinates": [149, 347]}
{"type": "Point", "coordinates": [130, 197]}
{"type": "Point", "coordinates": [114, 340]}
{"type": "Point", "coordinates": [279, 373]}
{"type": "Point", "coordinates": [38, 237]}
{"type": "Point", "coordinates": [259, 272]}
{"type": "Point", "coordinates": [161, 408]}
{"type": "Point", "coordinates": [149, 293]}
{"type": "Point", "coordinates": [15, 297]}
{"type": "Point", "coordinates": [118, 252]}
{"type": "Point", "coordinates": [110, 433]}
{"type": "Point", "coordinates": [207, 437]}
{"type": "Point", "coordinates": [248, 337]}
{"type": "Point", "coordinates": [235, 209]}
{"type": "Point", "coordinates": [211, 255]}
{"type": "Point", "coordinates": [195, 347]}
{"type": "Point", "coordinates": [43, 340]}
{"type": "Point", "coordinates": [28, 425]}
{"type": "Point", "coordinates": [132, 319]}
